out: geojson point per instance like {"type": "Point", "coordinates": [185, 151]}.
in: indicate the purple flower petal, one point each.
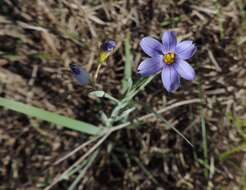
{"type": "Point", "coordinates": [170, 78]}
{"type": "Point", "coordinates": [169, 41]}
{"type": "Point", "coordinates": [150, 66]}
{"type": "Point", "coordinates": [184, 69]}
{"type": "Point", "coordinates": [151, 46]}
{"type": "Point", "coordinates": [185, 49]}
{"type": "Point", "coordinates": [80, 74]}
{"type": "Point", "coordinates": [108, 45]}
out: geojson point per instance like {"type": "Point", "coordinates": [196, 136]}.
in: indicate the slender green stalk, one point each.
{"type": "Point", "coordinates": [128, 66]}
{"type": "Point", "coordinates": [204, 132]}
{"type": "Point", "coordinates": [204, 144]}
{"type": "Point", "coordinates": [234, 150]}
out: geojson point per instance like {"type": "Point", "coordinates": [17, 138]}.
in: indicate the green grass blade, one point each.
{"type": "Point", "coordinates": [144, 81]}
{"type": "Point", "coordinates": [204, 143]}
{"type": "Point", "coordinates": [50, 117]}
{"type": "Point", "coordinates": [204, 129]}
{"type": "Point", "coordinates": [128, 66]}
{"type": "Point", "coordinates": [234, 150]}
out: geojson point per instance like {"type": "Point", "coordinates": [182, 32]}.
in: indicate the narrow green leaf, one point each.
{"type": "Point", "coordinates": [125, 114]}
{"type": "Point", "coordinates": [12, 57]}
{"type": "Point", "coordinates": [204, 131]}
{"type": "Point", "coordinates": [51, 117]}
{"type": "Point", "coordinates": [102, 94]}
{"type": "Point", "coordinates": [97, 93]}
{"type": "Point", "coordinates": [140, 85]}
{"type": "Point", "coordinates": [234, 150]}
{"type": "Point", "coordinates": [127, 80]}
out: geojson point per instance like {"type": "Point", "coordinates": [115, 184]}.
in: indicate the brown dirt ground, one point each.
{"type": "Point", "coordinates": [40, 38]}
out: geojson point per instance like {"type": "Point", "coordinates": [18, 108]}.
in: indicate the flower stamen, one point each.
{"type": "Point", "coordinates": [169, 58]}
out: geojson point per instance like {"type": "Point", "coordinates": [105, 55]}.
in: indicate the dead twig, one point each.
{"type": "Point", "coordinates": [57, 179]}
{"type": "Point", "coordinates": [76, 150]}
{"type": "Point", "coordinates": [213, 60]}
{"type": "Point", "coordinates": [147, 116]}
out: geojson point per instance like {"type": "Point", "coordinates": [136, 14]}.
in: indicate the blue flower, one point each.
{"type": "Point", "coordinates": [81, 75]}
{"type": "Point", "coordinates": [168, 57]}
{"type": "Point", "coordinates": [108, 45]}
{"type": "Point", "coordinates": [106, 49]}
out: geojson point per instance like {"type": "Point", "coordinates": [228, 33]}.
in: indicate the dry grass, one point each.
{"type": "Point", "coordinates": [40, 38]}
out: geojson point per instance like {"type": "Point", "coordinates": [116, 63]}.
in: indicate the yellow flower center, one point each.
{"type": "Point", "coordinates": [169, 58]}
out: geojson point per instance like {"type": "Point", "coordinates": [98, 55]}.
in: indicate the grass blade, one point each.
{"type": "Point", "coordinates": [83, 171]}
{"type": "Point", "coordinates": [204, 129]}
{"type": "Point", "coordinates": [50, 117]}
{"type": "Point", "coordinates": [128, 66]}
{"type": "Point", "coordinates": [234, 150]}
{"type": "Point", "coordinates": [204, 144]}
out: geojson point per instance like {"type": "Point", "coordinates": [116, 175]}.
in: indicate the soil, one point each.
{"type": "Point", "coordinates": [39, 39]}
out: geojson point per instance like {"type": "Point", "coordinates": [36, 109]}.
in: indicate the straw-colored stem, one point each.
{"type": "Point", "coordinates": [97, 72]}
